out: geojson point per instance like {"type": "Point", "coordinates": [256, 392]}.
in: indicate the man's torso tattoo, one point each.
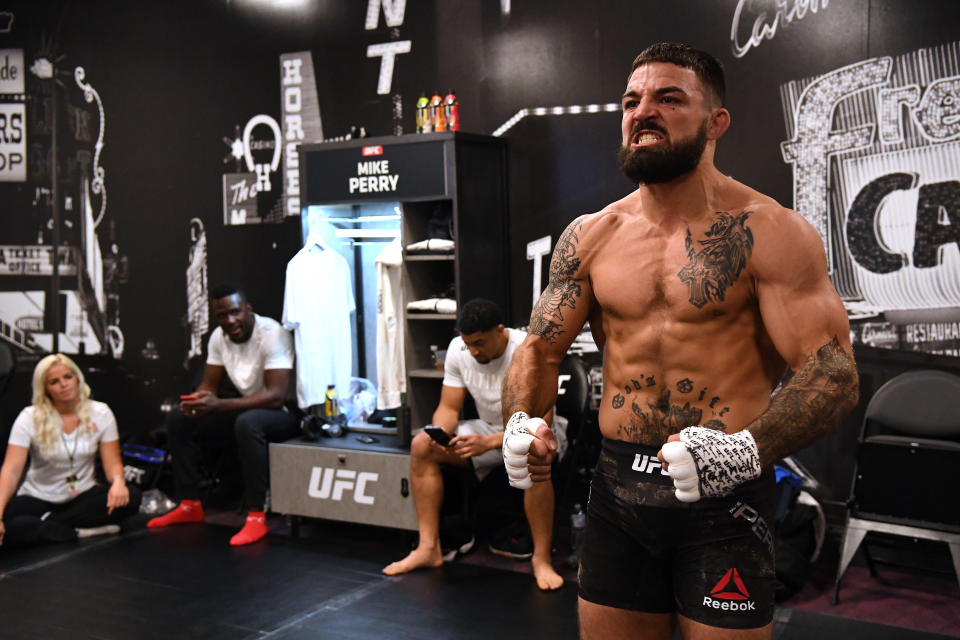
{"type": "Point", "coordinates": [651, 421]}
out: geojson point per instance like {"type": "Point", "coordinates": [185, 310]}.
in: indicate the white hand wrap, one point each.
{"type": "Point", "coordinates": [706, 463]}
{"type": "Point", "coordinates": [517, 436]}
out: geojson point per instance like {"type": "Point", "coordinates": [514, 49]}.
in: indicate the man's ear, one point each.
{"type": "Point", "coordinates": [718, 123]}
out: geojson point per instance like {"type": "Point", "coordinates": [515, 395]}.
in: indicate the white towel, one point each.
{"type": "Point", "coordinates": [433, 305]}
{"type": "Point", "coordinates": [431, 244]}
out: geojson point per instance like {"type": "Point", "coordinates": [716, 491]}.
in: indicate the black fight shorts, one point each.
{"type": "Point", "coordinates": [644, 550]}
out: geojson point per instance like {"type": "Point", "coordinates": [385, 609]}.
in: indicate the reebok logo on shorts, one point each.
{"type": "Point", "coordinates": [730, 594]}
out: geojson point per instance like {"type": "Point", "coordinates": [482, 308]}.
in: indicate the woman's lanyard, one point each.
{"type": "Point", "coordinates": [71, 479]}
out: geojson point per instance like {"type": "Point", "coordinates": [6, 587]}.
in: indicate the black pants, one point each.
{"type": "Point", "coordinates": [253, 430]}
{"type": "Point", "coordinates": [22, 517]}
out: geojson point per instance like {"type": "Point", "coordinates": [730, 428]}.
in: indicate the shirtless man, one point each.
{"type": "Point", "coordinates": [700, 293]}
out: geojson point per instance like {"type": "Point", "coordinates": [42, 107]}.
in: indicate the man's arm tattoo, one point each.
{"type": "Point", "coordinates": [563, 290]}
{"type": "Point", "coordinates": [812, 403]}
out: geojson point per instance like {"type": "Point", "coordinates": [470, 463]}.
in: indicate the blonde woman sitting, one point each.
{"type": "Point", "coordinates": [62, 431]}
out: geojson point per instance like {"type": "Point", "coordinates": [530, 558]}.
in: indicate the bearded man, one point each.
{"type": "Point", "coordinates": [700, 293]}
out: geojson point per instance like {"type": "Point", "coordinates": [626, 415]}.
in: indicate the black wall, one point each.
{"type": "Point", "coordinates": [176, 78]}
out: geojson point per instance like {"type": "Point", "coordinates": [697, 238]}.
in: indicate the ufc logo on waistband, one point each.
{"type": "Point", "coordinates": [647, 464]}
{"type": "Point", "coordinates": [330, 484]}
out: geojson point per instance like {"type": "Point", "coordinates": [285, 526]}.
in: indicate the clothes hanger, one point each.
{"type": "Point", "coordinates": [315, 241]}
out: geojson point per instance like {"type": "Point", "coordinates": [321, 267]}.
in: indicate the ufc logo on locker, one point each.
{"type": "Point", "coordinates": [331, 484]}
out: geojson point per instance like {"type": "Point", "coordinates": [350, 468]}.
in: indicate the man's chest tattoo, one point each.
{"type": "Point", "coordinates": [723, 256]}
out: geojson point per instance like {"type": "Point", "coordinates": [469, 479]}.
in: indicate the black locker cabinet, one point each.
{"type": "Point", "coordinates": [457, 174]}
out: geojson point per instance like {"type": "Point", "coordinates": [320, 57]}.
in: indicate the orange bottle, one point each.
{"type": "Point", "coordinates": [436, 112]}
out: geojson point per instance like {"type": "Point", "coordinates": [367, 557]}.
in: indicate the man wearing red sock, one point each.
{"type": "Point", "coordinates": [256, 353]}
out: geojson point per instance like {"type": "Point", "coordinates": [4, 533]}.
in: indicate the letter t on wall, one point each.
{"type": "Point", "coordinates": [388, 51]}
{"type": "Point", "coordinates": [535, 251]}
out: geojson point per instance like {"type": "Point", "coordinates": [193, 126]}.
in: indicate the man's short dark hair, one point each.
{"type": "Point", "coordinates": [479, 315]}
{"type": "Point", "coordinates": [225, 289]}
{"type": "Point", "coordinates": [708, 69]}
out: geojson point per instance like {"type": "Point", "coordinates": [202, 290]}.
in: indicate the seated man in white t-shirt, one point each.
{"type": "Point", "coordinates": [257, 355]}
{"type": "Point", "coordinates": [476, 363]}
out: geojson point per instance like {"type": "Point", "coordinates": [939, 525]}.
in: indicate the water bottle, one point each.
{"type": "Point", "coordinates": [424, 124]}
{"type": "Point", "coordinates": [578, 521]}
{"type": "Point", "coordinates": [331, 406]}
{"type": "Point", "coordinates": [403, 422]}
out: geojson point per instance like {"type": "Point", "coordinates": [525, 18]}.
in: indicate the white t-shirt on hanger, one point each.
{"type": "Point", "coordinates": [391, 367]}
{"type": "Point", "coordinates": [317, 303]}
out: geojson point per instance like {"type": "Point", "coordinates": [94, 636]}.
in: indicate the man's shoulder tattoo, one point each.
{"type": "Point", "coordinates": [564, 287]}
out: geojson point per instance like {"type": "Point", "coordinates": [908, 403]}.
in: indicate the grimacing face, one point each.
{"type": "Point", "coordinates": [664, 126]}
{"type": "Point", "coordinates": [663, 165]}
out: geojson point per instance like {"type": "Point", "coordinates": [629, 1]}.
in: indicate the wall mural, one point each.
{"type": "Point", "coordinates": [270, 188]}
{"type": "Point", "coordinates": [198, 290]}
{"type": "Point", "coordinates": [872, 145]}
{"type": "Point", "coordinates": [68, 301]}
{"type": "Point", "coordinates": [252, 197]}
{"type": "Point", "coordinates": [875, 149]}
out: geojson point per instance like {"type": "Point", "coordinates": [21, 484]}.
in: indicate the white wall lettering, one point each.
{"type": "Point", "coordinates": [301, 120]}
{"type": "Point", "coordinates": [536, 250]}
{"type": "Point", "coordinates": [883, 188]}
{"type": "Point", "coordinates": [393, 13]}
{"type": "Point", "coordinates": [387, 52]}
{"type": "Point", "coordinates": [765, 28]}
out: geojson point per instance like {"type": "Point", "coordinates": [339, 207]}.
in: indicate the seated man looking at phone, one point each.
{"type": "Point", "coordinates": [256, 353]}
{"type": "Point", "coordinates": [476, 362]}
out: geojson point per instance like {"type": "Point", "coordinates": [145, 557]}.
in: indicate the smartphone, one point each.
{"type": "Point", "coordinates": [439, 435]}
{"type": "Point", "coordinates": [188, 397]}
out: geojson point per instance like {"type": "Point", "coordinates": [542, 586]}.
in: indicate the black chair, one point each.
{"type": "Point", "coordinates": [573, 394]}
{"type": "Point", "coordinates": [463, 493]}
{"type": "Point", "coordinates": [908, 448]}
{"type": "Point", "coordinates": [583, 435]}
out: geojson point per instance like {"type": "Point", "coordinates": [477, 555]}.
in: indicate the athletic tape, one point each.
{"type": "Point", "coordinates": [517, 436]}
{"type": "Point", "coordinates": [681, 468]}
{"type": "Point", "coordinates": [720, 462]}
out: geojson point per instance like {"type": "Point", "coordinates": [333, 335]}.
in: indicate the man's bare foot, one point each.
{"type": "Point", "coordinates": [419, 557]}
{"type": "Point", "coordinates": [547, 578]}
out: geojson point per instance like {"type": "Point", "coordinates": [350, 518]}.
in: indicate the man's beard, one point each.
{"type": "Point", "coordinates": [646, 166]}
